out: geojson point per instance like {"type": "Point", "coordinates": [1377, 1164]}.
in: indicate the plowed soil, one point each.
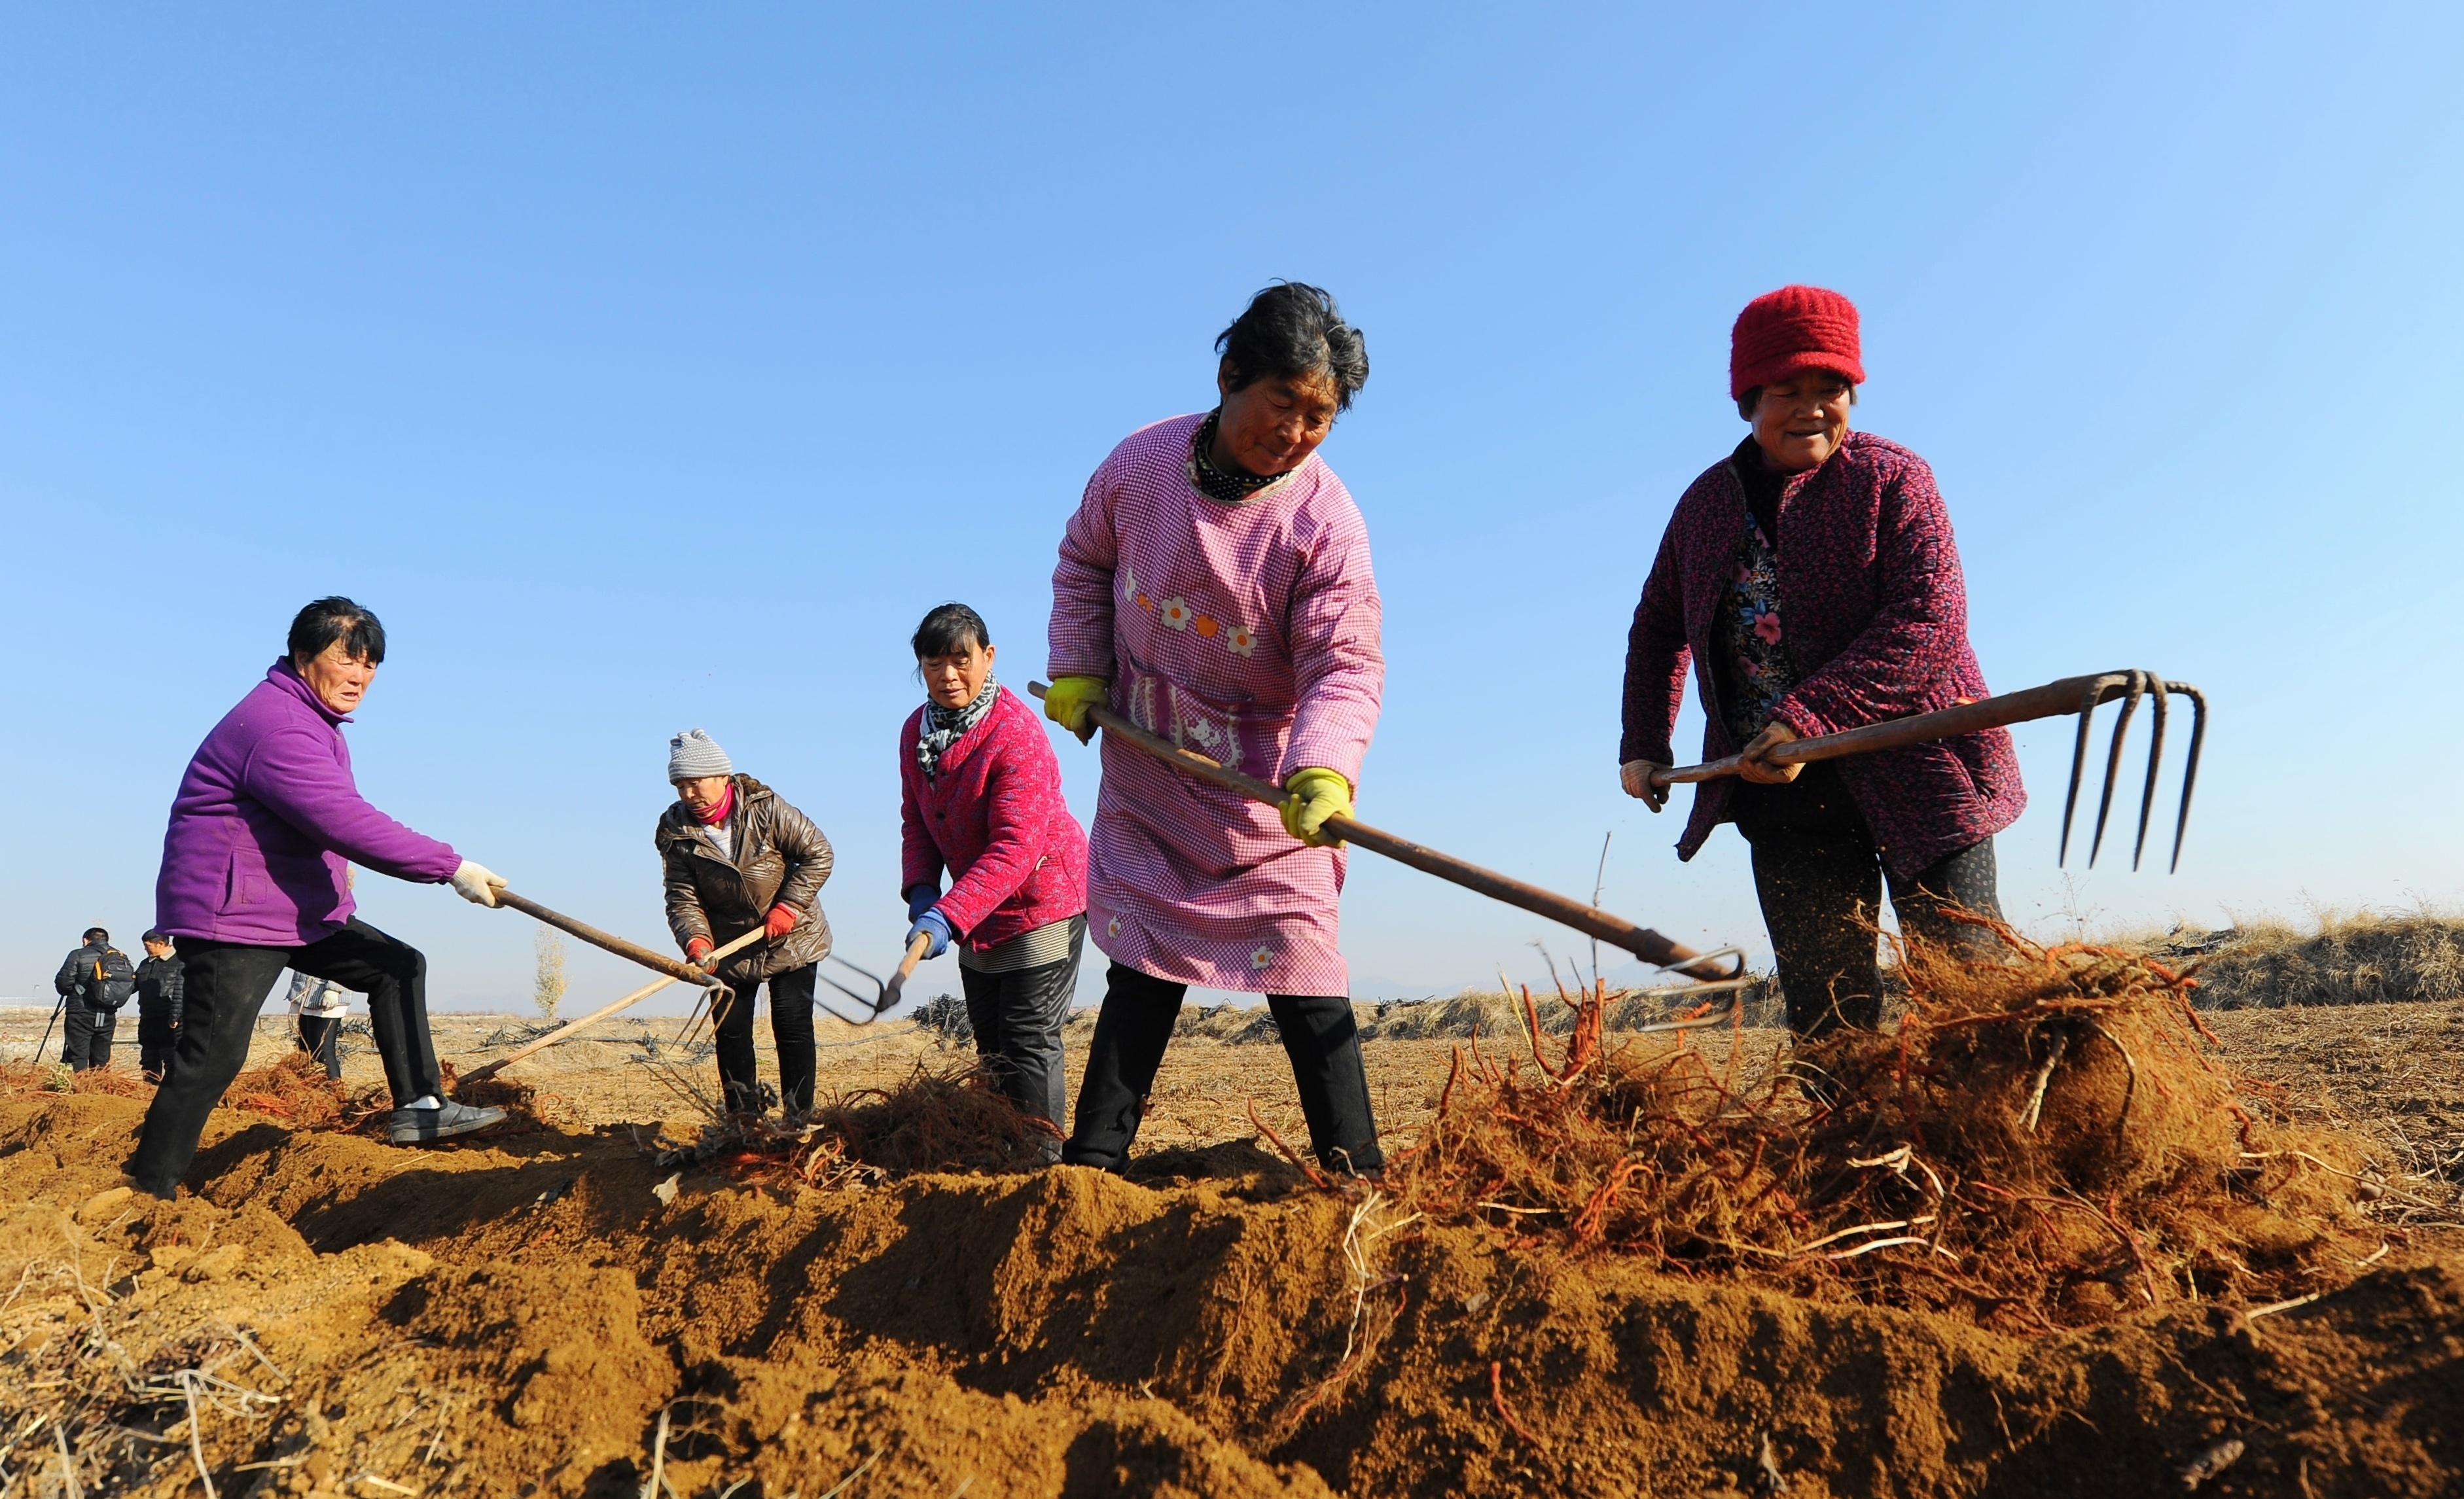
{"type": "Point", "coordinates": [539, 1313]}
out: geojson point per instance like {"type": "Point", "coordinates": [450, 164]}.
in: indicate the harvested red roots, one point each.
{"type": "Point", "coordinates": [945, 1118]}
{"type": "Point", "coordinates": [2045, 1139]}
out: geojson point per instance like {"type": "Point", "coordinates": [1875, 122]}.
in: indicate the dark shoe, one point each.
{"type": "Point", "coordinates": [423, 1126]}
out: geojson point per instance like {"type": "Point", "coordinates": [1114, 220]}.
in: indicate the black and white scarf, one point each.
{"type": "Point", "coordinates": [944, 727]}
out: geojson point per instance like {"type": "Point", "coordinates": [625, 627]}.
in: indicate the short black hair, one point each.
{"type": "Point", "coordinates": [156, 935]}
{"type": "Point", "coordinates": [95, 934]}
{"type": "Point", "coordinates": [331, 619]}
{"type": "Point", "coordinates": [1292, 329]}
{"type": "Point", "coordinates": [949, 626]}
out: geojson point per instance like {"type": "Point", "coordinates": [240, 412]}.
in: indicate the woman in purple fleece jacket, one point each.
{"type": "Point", "coordinates": [1811, 578]}
{"type": "Point", "coordinates": [256, 879]}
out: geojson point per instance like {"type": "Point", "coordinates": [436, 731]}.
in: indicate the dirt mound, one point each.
{"type": "Point", "coordinates": [532, 1314]}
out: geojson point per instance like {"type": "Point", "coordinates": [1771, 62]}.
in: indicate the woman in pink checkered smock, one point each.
{"type": "Point", "coordinates": [1215, 588]}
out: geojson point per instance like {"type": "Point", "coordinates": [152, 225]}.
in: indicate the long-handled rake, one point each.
{"type": "Point", "coordinates": [538, 1044]}
{"type": "Point", "coordinates": [1644, 944]}
{"type": "Point", "coordinates": [2072, 694]}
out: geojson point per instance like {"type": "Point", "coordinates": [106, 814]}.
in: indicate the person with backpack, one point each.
{"type": "Point", "coordinates": [94, 982]}
{"type": "Point", "coordinates": [158, 1006]}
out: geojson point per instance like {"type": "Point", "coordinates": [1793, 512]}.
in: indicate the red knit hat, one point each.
{"type": "Point", "coordinates": [1794, 329]}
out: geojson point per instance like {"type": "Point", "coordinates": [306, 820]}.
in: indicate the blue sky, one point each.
{"type": "Point", "coordinates": [646, 368]}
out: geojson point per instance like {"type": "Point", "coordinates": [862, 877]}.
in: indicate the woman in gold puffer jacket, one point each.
{"type": "Point", "coordinates": [739, 856]}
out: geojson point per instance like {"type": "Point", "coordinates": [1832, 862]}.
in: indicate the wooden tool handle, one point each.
{"type": "Point", "coordinates": [2053, 700]}
{"type": "Point", "coordinates": [1591, 920]}
{"type": "Point", "coordinates": [542, 1042]}
{"type": "Point", "coordinates": [657, 962]}
{"type": "Point", "coordinates": [915, 950]}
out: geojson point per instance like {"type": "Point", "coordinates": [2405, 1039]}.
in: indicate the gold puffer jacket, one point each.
{"type": "Point", "coordinates": [778, 857]}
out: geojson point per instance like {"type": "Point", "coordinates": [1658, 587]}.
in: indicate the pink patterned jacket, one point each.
{"type": "Point", "coordinates": [995, 819]}
{"type": "Point", "coordinates": [1874, 614]}
{"type": "Point", "coordinates": [1249, 633]}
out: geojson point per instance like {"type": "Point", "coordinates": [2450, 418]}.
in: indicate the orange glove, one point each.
{"type": "Point", "coordinates": [781, 919]}
{"type": "Point", "coordinates": [696, 949]}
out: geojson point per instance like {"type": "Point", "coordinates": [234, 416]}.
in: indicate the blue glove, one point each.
{"type": "Point", "coordinates": [921, 897]}
{"type": "Point", "coordinates": [935, 925]}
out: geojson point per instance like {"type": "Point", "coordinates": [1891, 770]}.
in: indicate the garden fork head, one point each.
{"type": "Point", "coordinates": [887, 989]}
{"type": "Point", "coordinates": [2130, 687]}
{"type": "Point", "coordinates": [874, 1005]}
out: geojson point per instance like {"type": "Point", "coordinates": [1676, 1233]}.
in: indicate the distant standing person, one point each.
{"type": "Point", "coordinates": [94, 982]}
{"type": "Point", "coordinates": [256, 879]}
{"type": "Point", "coordinates": [1213, 587]}
{"type": "Point", "coordinates": [1810, 577]}
{"type": "Point", "coordinates": [158, 1006]}
{"type": "Point", "coordinates": [737, 856]}
{"type": "Point", "coordinates": [317, 1006]}
{"type": "Point", "coordinates": [980, 797]}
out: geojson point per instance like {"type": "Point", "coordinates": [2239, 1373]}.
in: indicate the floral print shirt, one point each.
{"type": "Point", "coordinates": [1749, 661]}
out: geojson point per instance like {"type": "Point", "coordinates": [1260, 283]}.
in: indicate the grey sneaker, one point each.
{"type": "Point", "coordinates": [422, 1126]}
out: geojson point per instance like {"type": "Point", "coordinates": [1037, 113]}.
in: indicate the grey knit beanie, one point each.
{"type": "Point", "coordinates": [692, 754]}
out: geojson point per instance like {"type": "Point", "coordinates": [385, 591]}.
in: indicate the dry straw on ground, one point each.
{"type": "Point", "coordinates": [2366, 958]}
{"type": "Point", "coordinates": [2040, 1144]}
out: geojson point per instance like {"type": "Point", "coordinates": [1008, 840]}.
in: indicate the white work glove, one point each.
{"type": "Point", "coordinates": [477, 884]}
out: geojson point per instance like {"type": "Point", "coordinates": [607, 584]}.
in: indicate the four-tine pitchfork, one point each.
{"type": "Point", "coordinates": [2072, 694]}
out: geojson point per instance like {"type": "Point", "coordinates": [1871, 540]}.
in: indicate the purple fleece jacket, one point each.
{"type": "Point", "coordinates": [266, 821]}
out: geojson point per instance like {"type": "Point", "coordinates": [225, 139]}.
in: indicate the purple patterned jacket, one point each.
{"type": "Point", "coordinates": [1874, 614]}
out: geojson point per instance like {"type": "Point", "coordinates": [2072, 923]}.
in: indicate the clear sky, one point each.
{"type": "Point", "coordinates": [654, 367]}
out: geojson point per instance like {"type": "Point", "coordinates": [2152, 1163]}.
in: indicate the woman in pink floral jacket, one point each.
{"type": "Point", "coordinates": [1215, 589]}
{"type": "Point", "coordinates": [982, 798]}
{"type": "Point", "coordinates": [1811, 578]}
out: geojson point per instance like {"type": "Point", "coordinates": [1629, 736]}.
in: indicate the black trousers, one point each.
{"type": "Point", "coordinates": [1820, 882]}
{"type": "Point", "coordinates": [1016, 1018]}
{"type": "Point", "coordinates": [791, 1029]}
{"type": "Point", "coordinates": [225, 985]}
{"type": "Point", "coordinates": [1134, 1026]}
{"type": "Point", "coordinates": [85, 1034]}
{"type": "Point", "coordinates": [320, 1036]}
{"type": "Point", "coordinates": [155, 1038]}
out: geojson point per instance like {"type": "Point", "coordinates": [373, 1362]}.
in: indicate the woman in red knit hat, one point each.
{"type": "Point", "coordinates": [1811, 578]}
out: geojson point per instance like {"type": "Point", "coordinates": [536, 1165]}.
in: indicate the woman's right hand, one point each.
{"type": "Point", "coordinates": [1067, 700]}
{"type": "Point", "coordinates": [1754, 767]}
{"type": "Point", "coordinates": [1634, 775]}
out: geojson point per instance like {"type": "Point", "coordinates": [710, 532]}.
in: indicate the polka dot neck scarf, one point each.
{"type": "Point", "coordinates": [1229, 489]}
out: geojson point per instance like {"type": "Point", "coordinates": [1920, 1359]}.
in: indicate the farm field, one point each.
{"type": "Point", "coordinates": [559, 1309]}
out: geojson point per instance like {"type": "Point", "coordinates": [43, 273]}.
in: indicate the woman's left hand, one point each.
{"type": "Point", "coordinates": [781, 921]}
{"type": "Point", "coordinates": [1757, 767]}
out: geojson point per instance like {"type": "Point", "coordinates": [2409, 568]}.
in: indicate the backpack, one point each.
{"type": "Point", "coordinates": [111, 984]}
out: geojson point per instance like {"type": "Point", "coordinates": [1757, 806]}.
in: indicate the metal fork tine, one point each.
{"type": "Point", "coordinates": [2190, 775]}
{"type": "Point", "coordinates": [2088, 702]}
{"type": "Point", "coordinates": [873, 1004]}
{"type": "Point", "coordinates": [2113, 760]}
{"type": "Point", "coordinates": [2155, 757]}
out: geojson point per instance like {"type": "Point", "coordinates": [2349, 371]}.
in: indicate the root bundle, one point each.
{"type": "Point", "coordinates": [2045, 1141]}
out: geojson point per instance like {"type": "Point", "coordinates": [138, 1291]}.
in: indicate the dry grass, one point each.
{"type": "Point", "coordinates": [2044, 1143]}
{"type": "Point", "coordinates": [2366, 958]}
